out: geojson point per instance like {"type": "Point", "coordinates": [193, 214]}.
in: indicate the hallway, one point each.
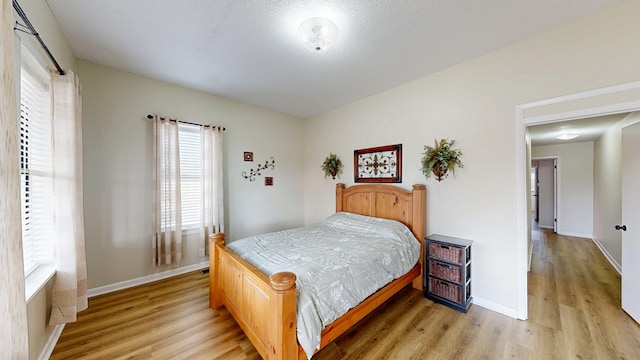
{"type": "Point", "coordinates": [575, 293]}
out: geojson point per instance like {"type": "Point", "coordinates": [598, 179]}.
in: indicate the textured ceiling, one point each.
{"type": "Point", "coordinates": [247, 50]}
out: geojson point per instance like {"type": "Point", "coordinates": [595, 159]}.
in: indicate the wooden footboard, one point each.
{"type": "Point", "coordinates": [265, 308]}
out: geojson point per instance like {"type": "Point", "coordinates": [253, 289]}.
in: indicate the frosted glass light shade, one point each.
{"type": "Point", "coordinates": [318, 34]}
{"type": "Point", "coordinates": [567, 136]}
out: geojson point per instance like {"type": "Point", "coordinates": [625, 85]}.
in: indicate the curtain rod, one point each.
{"type": "Point", "coordinates": [149, 116]}
{"type": "Point", "coordinates": [32, 31]}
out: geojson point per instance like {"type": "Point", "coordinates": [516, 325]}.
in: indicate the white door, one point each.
{"type": "Point", "coordinates": [547, 194]}
{"type": "Point", "coordinates": [630, 226]}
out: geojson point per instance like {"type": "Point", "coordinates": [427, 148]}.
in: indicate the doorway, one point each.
{"type": "Point", "coordinates": [600, 102]}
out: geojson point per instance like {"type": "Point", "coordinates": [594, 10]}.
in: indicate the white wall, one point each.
{"type": "Point", "coordinates": [575, 186]}
{"type": "Point", "coordinates": [474, 103]}
{"type": "Point", "coordinates": [118, 168]}
{"type": "Point", "coordinates": [607, 175]}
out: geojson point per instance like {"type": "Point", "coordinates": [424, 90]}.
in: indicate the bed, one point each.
{"type": "Point", "coordinates": [265, 306]}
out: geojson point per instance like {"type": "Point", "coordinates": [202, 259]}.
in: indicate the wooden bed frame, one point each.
{"type": "Point", "coordinates": [265, 307]}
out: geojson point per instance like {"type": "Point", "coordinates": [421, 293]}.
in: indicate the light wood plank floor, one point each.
{"type": "Point", "coordinates": [574, 313]}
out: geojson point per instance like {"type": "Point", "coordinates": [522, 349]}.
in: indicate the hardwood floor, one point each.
{"type": "Point", "coordinates": [574, 313]}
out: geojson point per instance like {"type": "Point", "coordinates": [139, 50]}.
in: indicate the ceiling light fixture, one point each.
{"type": "Point", "coordinates": [567, 136]}
{"type": "Point", "coordinates": [318, 34]}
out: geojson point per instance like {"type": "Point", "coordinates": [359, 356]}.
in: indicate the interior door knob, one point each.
{"type": "Point", "coordinates": [623, 227]}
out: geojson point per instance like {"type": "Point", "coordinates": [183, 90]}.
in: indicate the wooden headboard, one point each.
{"type": "Point", "coordinates": [388, 202]}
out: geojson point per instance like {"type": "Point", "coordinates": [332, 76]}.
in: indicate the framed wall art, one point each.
{"type": "Point", "coordinates": [382, 164]}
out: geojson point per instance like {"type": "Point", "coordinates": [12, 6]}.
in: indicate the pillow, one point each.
{"type": "Point", "coordinates": [368, 225]}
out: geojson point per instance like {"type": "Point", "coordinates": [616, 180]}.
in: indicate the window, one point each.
{"type": "Point", "coordinates": [196, 179]}
{"type": "Point", "coordinates": [35, 164]}
{"type": "Point", "coordinates": [190, 147]}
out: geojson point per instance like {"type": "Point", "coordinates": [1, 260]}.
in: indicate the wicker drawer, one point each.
{"type": "Point", "coordinates": [446, 253]}
{"type": "Point", "coordinates": [445, 271]}
{"type": "Point", "coordinates": [451, 292]}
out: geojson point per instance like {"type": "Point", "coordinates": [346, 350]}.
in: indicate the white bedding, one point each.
{"type": "Point", "coordinates": [338, 263]}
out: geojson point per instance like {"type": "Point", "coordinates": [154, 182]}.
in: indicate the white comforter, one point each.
{"type": "Point", "coordinates": [338, 264]}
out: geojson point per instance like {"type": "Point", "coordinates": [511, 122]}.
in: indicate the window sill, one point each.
{"type": "Point", "coordinates": [190, 231]}
{"type": "Point", "coordinates": [38, 278]}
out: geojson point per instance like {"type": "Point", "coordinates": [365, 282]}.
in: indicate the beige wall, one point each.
{"type": "Point", "coordinates": [575, 186]}
{"type": "Point", "coordinates": [475, 103]}
{"type": "Point", "coordinates": [607, 175]}
{"type": "Point", "coordinates": [118, 168]}
{"type": "Point", "coordinates": [45, 23]}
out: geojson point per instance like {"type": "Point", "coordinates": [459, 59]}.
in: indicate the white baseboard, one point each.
{"type": "Point", "coordinates": [495, 307]}
{"type": "Point", "coordinates": [145, 279]}
{"type": "Point", "coordinates": [610, 258]}
{"type": "Point", "coordinates": [545, 227]}
{"type": "Point", "coordinates": [569, 233]}
{"type": "Point", "coordinates": [46, 352]}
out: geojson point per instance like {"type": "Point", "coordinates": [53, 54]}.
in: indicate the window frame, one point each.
{"type": "Point", "coordinates": [29, 61]}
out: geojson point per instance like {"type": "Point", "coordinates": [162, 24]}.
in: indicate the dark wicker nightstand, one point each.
{"type": "Point", "coordinates": [448, 271]}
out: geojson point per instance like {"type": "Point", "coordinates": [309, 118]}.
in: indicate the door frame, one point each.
{"type": "Point", "coordinates": [534, 172]}
{"type": "Point", "coordinates": [606, 96]}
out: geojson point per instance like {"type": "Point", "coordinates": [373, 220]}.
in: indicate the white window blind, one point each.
{"type": "Point", "coordinates": [35, 165]}
{"type": "Point", "coordinates": [190, 174]}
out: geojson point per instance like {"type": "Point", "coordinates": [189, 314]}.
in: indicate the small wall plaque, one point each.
{"type": "Point", "coordinates": [268, 181]}
{"type": "Point", "coordinates": [248, 156]}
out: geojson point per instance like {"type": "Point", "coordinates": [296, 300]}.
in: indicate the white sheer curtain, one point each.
{"type": "Point", "coordinates": [167, 219]}
{"type": "Point", "coordinates": [70, 283]}
{"type": "Point", "coordinates": [14, 335]}
{"type": "Point", "coordinates": [212, 211]}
